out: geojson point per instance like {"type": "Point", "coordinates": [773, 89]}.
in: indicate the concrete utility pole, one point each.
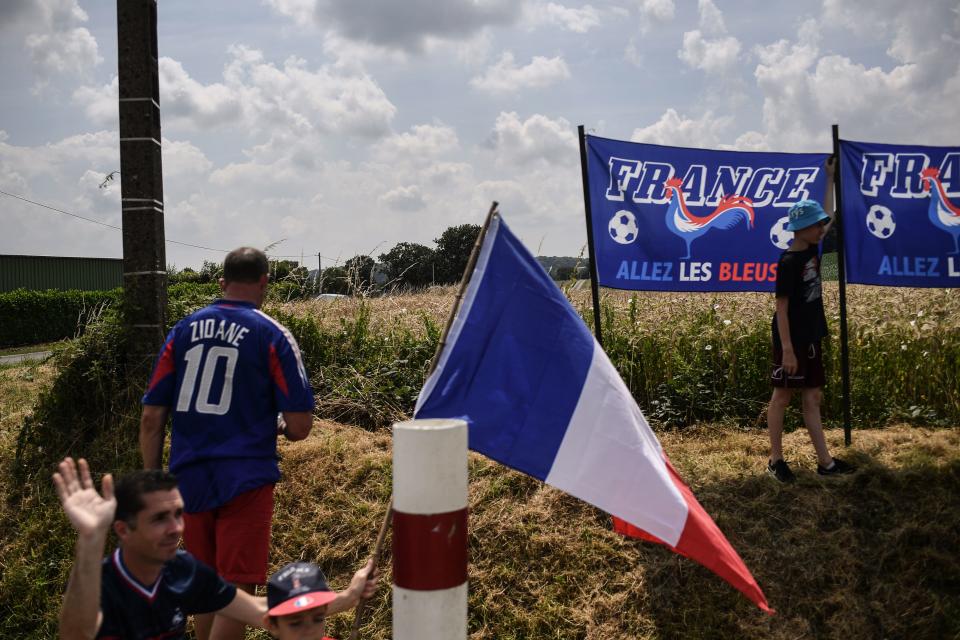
{"type": "Point", "coordinates": [141, 179]}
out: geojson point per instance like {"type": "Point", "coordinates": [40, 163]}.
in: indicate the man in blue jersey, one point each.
{"type": "Point", "coordinates": [147, 586]}
{"type": "Point", "coordinates": [223, 375]}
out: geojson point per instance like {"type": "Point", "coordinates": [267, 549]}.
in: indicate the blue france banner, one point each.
{"type": "Point", "coordinates": [680, 219]}
{"type": "Point", "coordinates": [901, 214]}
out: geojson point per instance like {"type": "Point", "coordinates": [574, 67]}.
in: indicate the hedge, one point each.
{"type": "Point", "coordinates": [33, 317]}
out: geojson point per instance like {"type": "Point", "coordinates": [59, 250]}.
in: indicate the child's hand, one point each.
{"type": "Point", "coordinates": [831, 166]}
{"type": "Point", "coordinates": [364, 581]}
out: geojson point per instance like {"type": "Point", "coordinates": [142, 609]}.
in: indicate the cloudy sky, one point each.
{"type": "Point", "coordinates": [345, 126]}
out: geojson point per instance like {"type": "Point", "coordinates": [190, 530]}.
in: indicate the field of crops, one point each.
{"type": "Point", "coordinates": [686, 357]}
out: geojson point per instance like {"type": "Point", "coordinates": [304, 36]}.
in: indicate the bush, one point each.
{"type": "Point", "coordinates": [32, 317]}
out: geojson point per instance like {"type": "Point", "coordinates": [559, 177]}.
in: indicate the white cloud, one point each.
{"type": "Point", "coordinates": [66, 175]}
{"type": "Point", "coordinates": [69, 51]}
{"type": "Point", "coordinates": [710, 54]}
{"type": "Point", "coordinates": [506, 77]}
{"type": "Point", "coordinates": [406, 26]}
{"type": "Point", "coordinates": [260, 97]}
{"type": "Point", "coordinates": [423, 143]}
{"type": "Point", "coordinates": [301, 11]}
{"type": "Point", "coordinates": [54, 39]}
{"type": "Point", "coordinates": [804, 92]}
{"type": "Point", "coordinates": [536, 139]}
{"type": "Point", "coordinates": [675, 130]}
{"type": "Point", "coordinates": [403, 199]}
{"type": "Point", "coordinates": [475, 51]}
{"type": "Point", "coordinates": [193, 103]}
{"type": "Point", "coordinates": [711, 18]}
{"type": "Point", "coordinates": [577, 20]}
{"type": "Point", "coordinates": [352, 54]}
{"type": "Point", "coordinates": [100, 103]}
{"type": "Point", "coordinates": [654, 12]}
{"type": "Point", "coordinates": [632, 54]}
{"type": "Point", "coordinates": [182, 160]}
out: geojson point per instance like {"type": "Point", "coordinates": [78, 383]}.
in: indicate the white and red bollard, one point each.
{"type": "Point", "coordinates": [430, 530]}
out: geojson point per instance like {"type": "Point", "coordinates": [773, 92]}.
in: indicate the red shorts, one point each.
{"type": "Point", "coordinates": [809, 373]}
{"type": "Point", "coordinates": [234, 538]}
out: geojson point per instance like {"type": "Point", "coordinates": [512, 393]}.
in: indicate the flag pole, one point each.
{"type": "Point", "coordinates": [842, 277]}
{"type": "Point", "coordinates": [464, 281]}
{"type": "Point", "coordinates": [594, 285]}
{"type": "Point", "coordinates": [375, 558]}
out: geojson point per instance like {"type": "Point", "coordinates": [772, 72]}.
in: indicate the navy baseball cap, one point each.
{"type": "Point", "coordinates": [805, 213]}
{"type": "Point", "coordinates": [299, 586]}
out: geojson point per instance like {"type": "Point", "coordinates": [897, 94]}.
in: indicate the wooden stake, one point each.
{"type": "Point", "coordinates": [464, 281]}
{"type": "Point", "coordinates": [375, 557]}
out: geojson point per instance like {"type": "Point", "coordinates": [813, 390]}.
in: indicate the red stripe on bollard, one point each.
{"type": "Point", "coordinates": [430, 551]}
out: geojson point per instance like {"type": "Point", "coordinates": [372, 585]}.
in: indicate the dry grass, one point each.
{"type": "Point", "coordinates": [403, 310]}
{"type": "Point", "coordinates": [868, 556]}
{"type": "Point", "coordinates": [20, 384]}
{"type": "Point", "coordinates": [875, 307]}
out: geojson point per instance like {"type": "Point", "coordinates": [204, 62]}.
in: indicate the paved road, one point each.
{"type": "Point", "coordinates": [24, 357]}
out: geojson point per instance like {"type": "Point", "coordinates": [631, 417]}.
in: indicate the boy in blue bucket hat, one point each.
{"type": "Point", "coordinates": [798, 327]}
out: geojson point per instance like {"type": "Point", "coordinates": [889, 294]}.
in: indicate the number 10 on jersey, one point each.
{"type": "Point", "coordinates": [206, 368]}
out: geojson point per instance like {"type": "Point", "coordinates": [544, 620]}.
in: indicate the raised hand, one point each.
{"type": "Point", "coordinates": [88, 511]}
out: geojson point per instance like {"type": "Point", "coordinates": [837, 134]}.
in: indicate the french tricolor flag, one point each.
{"type": "Point", "coordinates": [541, 396]}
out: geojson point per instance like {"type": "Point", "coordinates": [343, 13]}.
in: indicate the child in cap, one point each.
{"type": "Point", "coordinates": [798, 327]}
{"type": "Point", "coordinates": [299, 600]}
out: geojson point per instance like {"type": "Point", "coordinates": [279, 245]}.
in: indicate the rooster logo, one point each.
{"type": "Point", "coordinates": [689, 226]}
{"type": "Point", "coordinates": [942, 213]}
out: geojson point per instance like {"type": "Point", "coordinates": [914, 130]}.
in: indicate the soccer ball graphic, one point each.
{"type": "Point", "coordinates": [880, 222]}
{"type": "Point", "coordinates": [623, 227]}
{"type": "Point", "coordinates": [780, 236]}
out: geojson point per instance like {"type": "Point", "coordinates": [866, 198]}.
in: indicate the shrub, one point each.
{"type": "Point", "coordinates": [32, 317]}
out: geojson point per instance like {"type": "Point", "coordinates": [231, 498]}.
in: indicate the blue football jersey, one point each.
{"type": "Point", "coordinates": [225, 372]}
{"type": "Point", "coordinates": [135, 611]}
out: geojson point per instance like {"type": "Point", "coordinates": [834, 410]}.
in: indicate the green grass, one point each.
{"type": "Point", "coordinates": [828, 267]}
{"type": "Point", "coordinates": [873, 555]}
{"type": "Point", "coordinates": [32, 348]}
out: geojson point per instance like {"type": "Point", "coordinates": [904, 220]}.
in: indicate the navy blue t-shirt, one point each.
{"type": "Point", "coordinates": [225, 372]}
{"type": "Point", "coordinates": [134, 611]}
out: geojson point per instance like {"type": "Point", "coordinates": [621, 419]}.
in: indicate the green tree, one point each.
{"type": "Point", "coordinates": [285, 269]}
{"type": "Point", "coordinates": [561, 274]}
{"type": "Point", "coordinates": [335, 280]}
{"type": "Point", "coordinates": [454, 247]}
{"type": "Point", "coordinates": [210, 271]}
{"type": "Point", "coordinates": [408, 265]}
{"type": "Point", "coordinates": [359, 273]}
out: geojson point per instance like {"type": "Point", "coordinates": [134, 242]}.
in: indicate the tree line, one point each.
{"type": "Point", "coordinates": [407, 266]}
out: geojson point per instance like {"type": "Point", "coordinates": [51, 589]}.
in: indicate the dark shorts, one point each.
{"type": "Point", "coordinates": [809, 371]}
{"type": "Point", "coordinates": [234, 539]}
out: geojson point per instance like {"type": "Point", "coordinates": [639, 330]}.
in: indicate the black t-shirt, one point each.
{"type": "Point", "coordinates": [133, 611]}
{"type": "Point", "coordinates": [798, 279]}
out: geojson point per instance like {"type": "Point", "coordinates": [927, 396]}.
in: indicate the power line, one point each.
{"type": "Point", "coordinates": [112, 226]}
{"type": "Point", "coordinates": [66, 213]}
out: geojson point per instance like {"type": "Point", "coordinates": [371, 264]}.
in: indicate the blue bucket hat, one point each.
{"type": "Point", "coordinates": [805, 213]}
